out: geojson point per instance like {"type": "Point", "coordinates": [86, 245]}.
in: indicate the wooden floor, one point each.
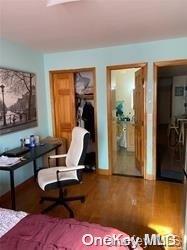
{"type": "Point", "coordinates": [125, 163]}
{"type": "Point", "coordinates": [133, 205]}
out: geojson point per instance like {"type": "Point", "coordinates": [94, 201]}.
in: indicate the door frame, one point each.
{"type": "Point", "coordinates": [93, 69]}
{"type": "Point", "coordinates": [157, 65]}
{"type": "Point", "coordinates": [109, 109]}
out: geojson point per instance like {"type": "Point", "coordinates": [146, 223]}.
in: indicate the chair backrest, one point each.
{"type": "Point", "coordinates": [78, 147]}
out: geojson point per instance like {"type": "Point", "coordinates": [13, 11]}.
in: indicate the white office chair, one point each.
{"type": "Point", "coordinates": [60, 177]}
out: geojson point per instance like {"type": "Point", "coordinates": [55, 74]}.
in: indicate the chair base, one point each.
{"type": "Point", "coordinates": [61, 201]}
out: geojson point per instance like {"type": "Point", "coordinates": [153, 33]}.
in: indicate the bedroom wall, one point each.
{"type": "Point", "coordinates": [102, 57]}
{"type": "Point", "coordinates": [18, 57]}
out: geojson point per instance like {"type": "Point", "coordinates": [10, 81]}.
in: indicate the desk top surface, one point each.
{"type": "Point", "coordinates": [32, 155]}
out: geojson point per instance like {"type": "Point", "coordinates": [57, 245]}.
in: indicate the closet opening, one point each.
{"type": "Point", "coordinates": [126, 119]}
{"type": "Point", "coordinates": [74, 104]}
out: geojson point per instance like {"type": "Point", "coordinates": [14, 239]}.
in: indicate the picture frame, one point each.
{"type": "Point", "coordinates": [18, 109]}
{"type": "Point", "coordinates": [179, 91]}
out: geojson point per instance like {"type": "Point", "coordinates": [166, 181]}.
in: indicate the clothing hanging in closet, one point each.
{"type": "Point", "coordinates": [80, 107]}
{"type": "Point", "coordinates": [88, 118]}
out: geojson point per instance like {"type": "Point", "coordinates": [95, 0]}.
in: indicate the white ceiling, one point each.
{"type": "Point", "coordinates": [91, 23]}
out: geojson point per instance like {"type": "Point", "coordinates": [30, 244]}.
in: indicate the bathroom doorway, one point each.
{"type": "Point", "coordinates": [126, 120]}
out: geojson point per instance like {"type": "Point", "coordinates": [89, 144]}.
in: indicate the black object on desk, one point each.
{"type": "Point", "coordinates": [30, 156]}
{"type": "Point", "coordinates": [16, 152]}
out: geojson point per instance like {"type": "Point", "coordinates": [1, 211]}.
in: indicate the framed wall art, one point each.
{"type": "Point", "coordinates": [179, 91]}
{"type": "Point", "coordinates": [17, 100]}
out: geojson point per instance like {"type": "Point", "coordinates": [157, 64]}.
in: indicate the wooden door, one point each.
{"type": "Point", "coordinates": [64, 104]}
{"type": "Point", "coordinates": [139, 119]}
{"type": "Point", "coordinates": [130, 137]}
{"type": "Point", "coordinates": [114, 128]}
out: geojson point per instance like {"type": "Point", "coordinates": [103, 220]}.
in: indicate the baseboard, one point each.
{"type": "Point", "coordinates": [103, 171]}
{"type": "Point", "coordinates": [149, 177]}
{"type": "Point", "coordinates": [107, 172]}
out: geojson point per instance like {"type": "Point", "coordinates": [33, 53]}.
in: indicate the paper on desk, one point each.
{"type": "Point", "coordinates": [8, 161]}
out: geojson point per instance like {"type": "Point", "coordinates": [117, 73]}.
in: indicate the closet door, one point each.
{"type": "Point", "coordinates": [139, 119]}
{"type": "Point", "coordinates": [64, 104]}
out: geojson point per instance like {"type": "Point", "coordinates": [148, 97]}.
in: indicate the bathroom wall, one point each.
{"type": "Point", "coordinates": [124, 81]}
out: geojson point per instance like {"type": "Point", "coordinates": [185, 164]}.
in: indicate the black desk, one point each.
{"type": "Point", "coordinates": [30, 156]}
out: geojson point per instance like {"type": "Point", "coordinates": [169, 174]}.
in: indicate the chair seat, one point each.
{"type": "Point", "coordinates": [48, 176]}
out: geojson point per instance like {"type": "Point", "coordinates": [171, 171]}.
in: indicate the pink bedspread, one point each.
{"type": "Point", "coordinates": [41, 232]}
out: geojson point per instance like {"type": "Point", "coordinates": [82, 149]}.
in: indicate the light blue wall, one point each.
{"type": "Point", "coordinates": [18, 57]}
{"type": "Point", "coordinates": [100, 58]}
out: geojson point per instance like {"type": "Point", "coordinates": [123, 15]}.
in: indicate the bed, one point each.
{"type": "Point", "coordinates": [22, 231]}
